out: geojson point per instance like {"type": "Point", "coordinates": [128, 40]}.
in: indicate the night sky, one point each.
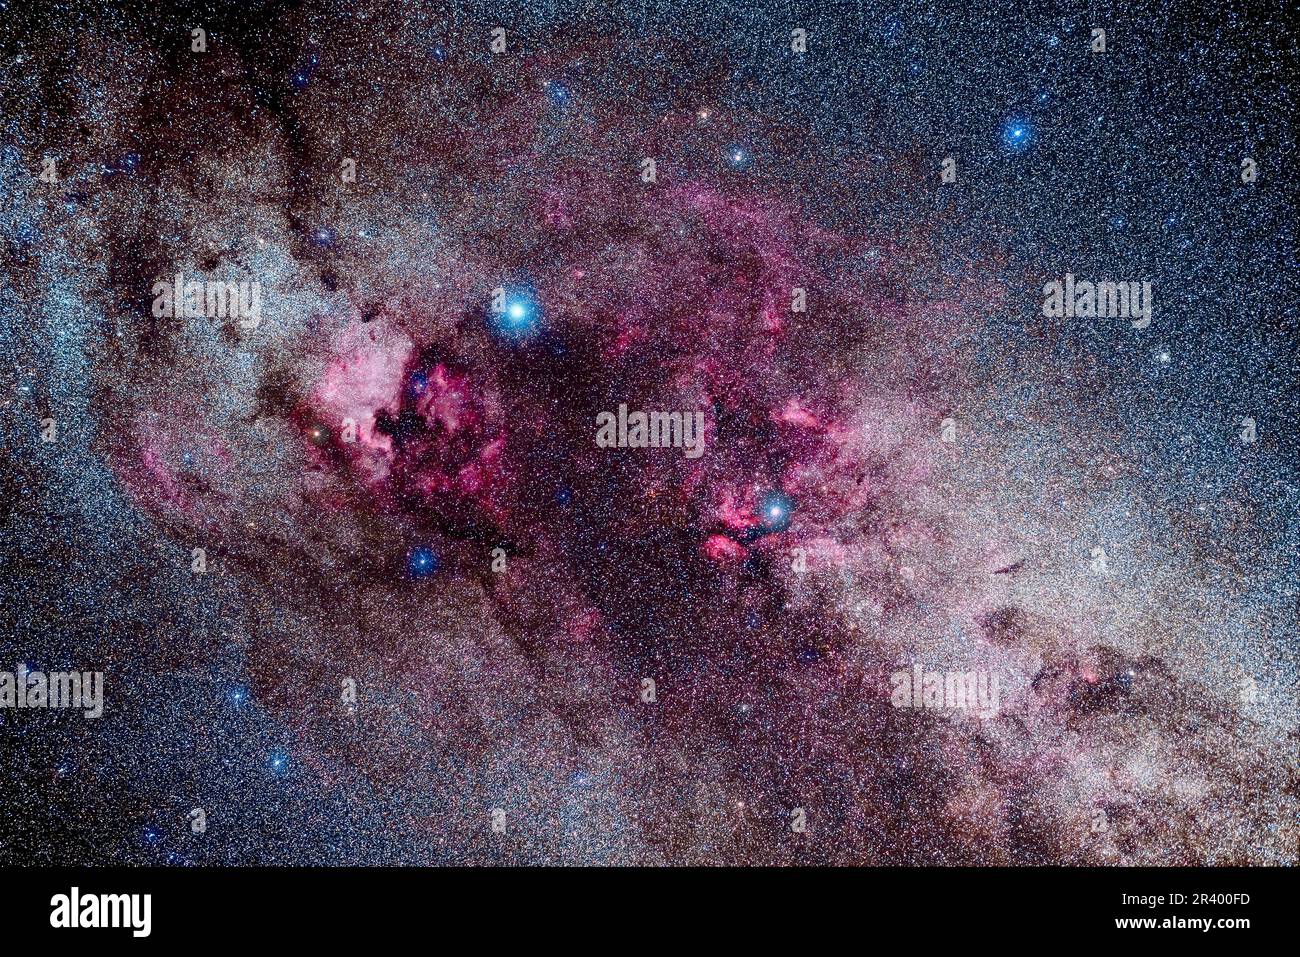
{"type": "Point", "coordinates": [436, 622]}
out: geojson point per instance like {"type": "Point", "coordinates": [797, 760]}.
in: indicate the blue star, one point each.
{"type": "Point", "coordinates": [738, 157]}
{"type": "Point", "coordinates": [1017, 135]}
{"type": "Point", "coordinates": [775, 510]}
{"type": "Point", "coordinates": [421, 562]}
{"type": "Point", "coordinates": [519, 318]}
{"type": "Point", "coordinates": [302, 76]}
{"type": "Point", "coordinates": [558, 93]}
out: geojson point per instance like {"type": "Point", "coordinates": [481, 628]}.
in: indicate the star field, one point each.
{"type": "Point", "coordinates": [367, 586]}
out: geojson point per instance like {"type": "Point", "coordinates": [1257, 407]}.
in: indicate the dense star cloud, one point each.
{"type": "Point", "coordinates": [385, 558]}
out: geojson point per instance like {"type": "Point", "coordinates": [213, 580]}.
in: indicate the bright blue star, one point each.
{"type": "Point", "coordinates": [519, 318]}
{"type": "Point", "coordinates": [421, 562]}
{"type": "Point", "coordinates": [1017, 135]}
{"type": "Point", "coordinates": [775, 510]}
